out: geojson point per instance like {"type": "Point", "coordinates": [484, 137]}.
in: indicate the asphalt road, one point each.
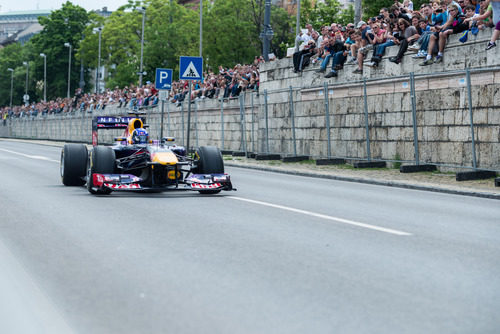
{"type": "Point", "coordinates": [283, 254]}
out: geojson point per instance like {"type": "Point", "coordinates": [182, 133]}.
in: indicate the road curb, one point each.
{"type": "Point", "coordinates": [395, 184]}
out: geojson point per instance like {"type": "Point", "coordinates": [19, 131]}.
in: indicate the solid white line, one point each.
{"type": "Point", "coordinates": [318, 215]}
{"type": "Point", "coordinates": [36, 157]}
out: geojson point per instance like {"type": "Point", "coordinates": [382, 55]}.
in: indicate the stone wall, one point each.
{"type": "Point", "coordinates": [441, 104]}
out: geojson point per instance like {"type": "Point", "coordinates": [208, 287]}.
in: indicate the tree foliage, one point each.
{"type": "Point", "coordinates": [64, 25]}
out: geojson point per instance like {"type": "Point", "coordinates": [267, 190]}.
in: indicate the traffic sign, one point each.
{"type": "Point", "coordinates": [190, 68]}
{"type": "Point", "coordinates": [163, 78]}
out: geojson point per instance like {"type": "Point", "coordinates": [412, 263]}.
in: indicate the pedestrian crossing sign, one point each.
{"type": "Point", "coordinates": [190, 68]}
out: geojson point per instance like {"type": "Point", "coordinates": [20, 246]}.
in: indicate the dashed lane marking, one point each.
{"type": "Point", "coordinates": [322, 216]}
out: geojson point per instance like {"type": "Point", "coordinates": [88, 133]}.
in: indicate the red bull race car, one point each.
{"type": "Point", "coordinates": [136, 163]}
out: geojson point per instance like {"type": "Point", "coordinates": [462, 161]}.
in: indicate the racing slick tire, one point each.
{"type": "Point", "coordinates": [209, 162]}
{"type": "Point", "coordinates": [102, 160]}
{"type": "Point", "coordinates": [73, 165]}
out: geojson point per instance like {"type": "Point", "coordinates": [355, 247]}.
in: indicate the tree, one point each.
{"type": "Point", "coordinates": [231, 38]}
{"type": "Point", "coordinates": [172, 31]}
{"type": "Point", "coordinates": [64, 25]}
{"type": "Point", "coordinates": [12, 57]}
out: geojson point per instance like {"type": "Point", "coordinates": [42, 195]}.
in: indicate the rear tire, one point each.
{"type": "Point", "coordinates": [73, 164]}
{"type": "Point", "coordinates": [209, 162]}
{"type": "Point", "coordinates": [102, 160]}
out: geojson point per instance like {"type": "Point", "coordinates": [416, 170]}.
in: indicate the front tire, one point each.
{"type": "Point", "coordinates": [209, 162]}
{"type": "Point", "coordinates": [102, 160]}
{"type": "Point", "coordinates": [73, 164]}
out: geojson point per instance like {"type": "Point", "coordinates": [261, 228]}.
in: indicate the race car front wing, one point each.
{"type": "Point", "coordinates": [128, 182]}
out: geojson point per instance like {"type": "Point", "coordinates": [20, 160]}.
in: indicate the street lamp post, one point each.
{"type": "Point", "coordinates": [81, 84]}
{"type": "Point", "coordinates": [297, 26]}
{"type": "Point", "coordinates": [99, 31]}
{"type": "Point", "coordinates": [267, 32]}
{"type": "Point", "coordinates": [44, 76]}
{"type": "Point", "coordinates": [11, 83]}
{"type": "Point", "coordinates": [69, 65]}
{"type": "Point", "coordinates": [201, 26]}
{"type": "Point", "coordinates": [26, 96]}
{"type": "Point", "coordinates": [143, 11]}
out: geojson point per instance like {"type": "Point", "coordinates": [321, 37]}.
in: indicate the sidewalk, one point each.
{"type": "Point", "coordinates": [428, 181]}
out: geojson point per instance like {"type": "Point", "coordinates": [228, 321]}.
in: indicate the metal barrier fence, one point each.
{"type": "Point", "coordinates": [389, 120]}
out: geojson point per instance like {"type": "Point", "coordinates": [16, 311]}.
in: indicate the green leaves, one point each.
{"type": "Point", "coordinates": [65, 25]}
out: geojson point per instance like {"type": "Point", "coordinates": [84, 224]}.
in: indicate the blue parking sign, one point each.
{"type": "Point", "coordinates": [190, 68]}
{"type": "Point", "coordinates": [163, 78]}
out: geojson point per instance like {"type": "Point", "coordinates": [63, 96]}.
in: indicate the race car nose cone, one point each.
{"type": "Point", "coordinates": [164, 158]}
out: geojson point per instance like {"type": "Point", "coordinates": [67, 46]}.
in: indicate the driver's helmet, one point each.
{"type": "Point", "coordinates": [140, 136]}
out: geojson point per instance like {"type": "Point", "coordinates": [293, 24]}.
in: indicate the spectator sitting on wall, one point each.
{"type": "Point", "coordinates": [340, 56]}
{"type": "Point", "coordinates": [495, 4]}
{"type": "Point", "coordinates": [409, 35]}
{"type": "Point", "coordinates": [392, 37]}
{"type": "Point", "coordinates": [334, 45]}
{"type": "Point", "coordinates": [454, 25]}
{"type": "Point", "coordinates": [375, 37]}
{"type": "Point", "coordinates": [301, 58]}
{"type": "Point", "coordinates": [304, 37]}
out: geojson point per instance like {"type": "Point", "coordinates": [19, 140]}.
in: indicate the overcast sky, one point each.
{"type": "Point", "coordinates": [15, 5]}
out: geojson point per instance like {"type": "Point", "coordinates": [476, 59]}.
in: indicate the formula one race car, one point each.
{"type": "Point", "coordinates": [136, 163]}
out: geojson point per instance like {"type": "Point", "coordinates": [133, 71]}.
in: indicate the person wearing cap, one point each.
{"type": "Point", "coordinates": [364, 28]}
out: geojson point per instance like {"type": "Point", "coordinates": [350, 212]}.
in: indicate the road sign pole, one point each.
{"type": "Point", "coordinates": [162, 110]}
{"type": "Point", "coordinates": [168, 117]}
{"type": "Point", "coordinates": [189, 116]}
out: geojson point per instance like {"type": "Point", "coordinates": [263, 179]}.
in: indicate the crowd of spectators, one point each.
{"type": "Point", "coordinates": [425, 30]}
{"type": "Point", "coordinates": [227, 84]}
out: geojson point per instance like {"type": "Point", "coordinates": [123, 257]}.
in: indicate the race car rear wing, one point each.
{"type": "Point", "coordinates": [109, 122]}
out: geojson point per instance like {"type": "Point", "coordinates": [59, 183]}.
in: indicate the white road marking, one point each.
{"type": "Point", "coordinates": [319, 215]}
{"type": "Point", "coordinates": [36, 157]}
